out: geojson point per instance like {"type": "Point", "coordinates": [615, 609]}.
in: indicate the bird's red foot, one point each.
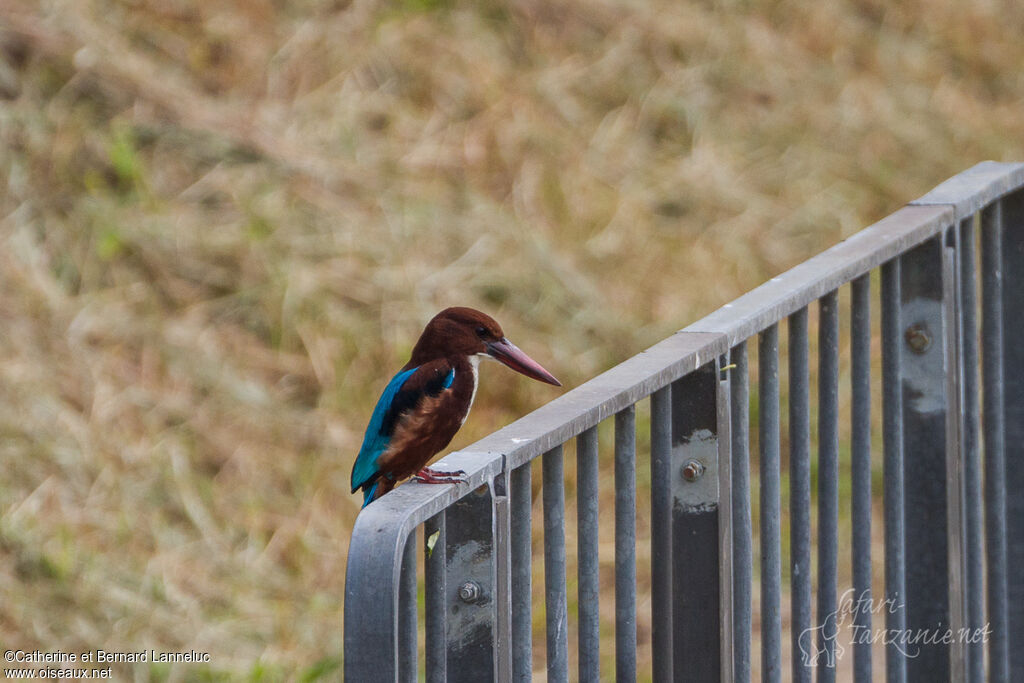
{"type": "Point", "coordinates": [432, 476]}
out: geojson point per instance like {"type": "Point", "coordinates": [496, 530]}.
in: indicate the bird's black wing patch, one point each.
{"type": "Point", "coordinates": [428, 380]}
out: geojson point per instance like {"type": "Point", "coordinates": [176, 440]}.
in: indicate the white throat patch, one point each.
{"type": "Point", "coordinates": [474, 364]}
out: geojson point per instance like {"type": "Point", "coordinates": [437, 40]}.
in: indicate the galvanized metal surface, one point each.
{"type": "Point", "coordinates": [625, 544]}
{"type": "Point", "coordinates": [502, 538]}
{"type": "Point", "coordinates": [770, 505]}
{"type": "Point", "coordinates": [435, 563]}
{"type": "Point", "coordinates": [589, 579]}
{"type": "Point", "coordinates": [696, 518]}
{"type": "Point", "coordinates": [602, 397]}
{"type": "Point", "coordinates": [828, 481]}
{"type": "Point", "coordinates": [993, 425]}
{"type": "Point", "coordinates": [662, 602]}
{"type": "Point", "coordinates": [477, 566]}
{"type": "Point", "coordinates": [956, 525]}
{"type": "Point", "coordinates": [803, 284]}
{"type": "Point", "coordinates": [741, 521]}
{"type": "Point", "coordinates": [726, 576]}
{"type": "Point", "coordinates": [924, 407]}
{"type": "Point", "coordinates": [520, 480]}
{"type": "Point", "coordinates": [973, 494]}
{"type": "Point", "coordinates": [471, 589]}
{"type": "Point", "coordinates": [975, 188]}
{"type": "Point", "coordinates": [1013, 407]}
{"type": "Point", "coordinates": [800, 497]}
{"type": "Point", "coordinates": [892, 435]}
{"type": "Point", "coordinates": [860, 471]}
{"type": "Point", "coordinates": [554, 567]}
{"type": "Point", "coordinates": [407, 660]}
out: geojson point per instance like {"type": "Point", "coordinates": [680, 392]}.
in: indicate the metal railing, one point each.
{"type": "Point", "coordinates": [953, 484]}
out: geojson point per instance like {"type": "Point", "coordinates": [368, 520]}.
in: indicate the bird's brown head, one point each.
{"type": "Point", "coordinates": [466, 331]}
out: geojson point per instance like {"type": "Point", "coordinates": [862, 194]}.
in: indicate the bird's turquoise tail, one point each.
{"type": "Point", "coordinates": [369, 493]}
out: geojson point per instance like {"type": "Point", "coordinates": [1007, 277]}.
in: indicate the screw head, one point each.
{"type": "Point", "coordinates": [469, 592]}
{"type": "Point", "coordinates": [693, 470]}
{"type": "Point", "coordinates": [918, 337]}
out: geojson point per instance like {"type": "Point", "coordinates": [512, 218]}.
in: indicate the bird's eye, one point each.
{"type": "Point", "coordinates": [481, 331]}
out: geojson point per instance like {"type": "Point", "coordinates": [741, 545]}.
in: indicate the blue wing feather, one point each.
{"type": "Point", "coordinates": [375, 440]}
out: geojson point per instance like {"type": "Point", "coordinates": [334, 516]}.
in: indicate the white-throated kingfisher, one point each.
{"type": "Point", "coordinates": [429, 399]}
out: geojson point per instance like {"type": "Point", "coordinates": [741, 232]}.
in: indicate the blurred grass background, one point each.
{"type": "Point", "coordinates": [225, 223]}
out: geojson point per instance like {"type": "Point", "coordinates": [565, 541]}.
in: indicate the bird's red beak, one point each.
{"type": "Point", "coordinates": [510, 354]}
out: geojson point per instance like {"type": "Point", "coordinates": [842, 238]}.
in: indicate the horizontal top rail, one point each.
{"type": "Point", "coordinates": [819, 275]}
{"type": "Point", "coordinates": [603, 396]}
{"type": "Point", "coordinates": [954, 199]}
{"type": "Point", "coordinates": [975, 188]}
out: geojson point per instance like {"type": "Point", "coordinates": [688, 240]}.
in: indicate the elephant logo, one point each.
{"type": "Point", "coordinates": [821, 640]}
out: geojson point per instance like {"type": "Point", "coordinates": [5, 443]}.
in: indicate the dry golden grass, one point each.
{"type": "Point", "coordinates": [225, 222]}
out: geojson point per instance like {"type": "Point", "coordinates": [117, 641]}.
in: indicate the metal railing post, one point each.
{"type": "Point", "coordinates": [974, 549]}
{"type": "Point", "coordinates": [995, 453]}
{"type": "Point", "coordinates": [956, 528]}
{"type": "Point", "coordinates": [929, 408]}
{"type": "Point", "coordinates": [988, 188]}
{"type": "Point", "coordinates": [1013, 423]}
{"type": "Point", "coordinates": [472, 592]}
{"type": "Point", "coordinates": [371, 603]}
{"type": "Point", "coordinates": [701, 525]}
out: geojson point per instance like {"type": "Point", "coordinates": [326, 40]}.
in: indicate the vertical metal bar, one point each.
{"type": "Point", "coordinates": [474, 593]}
{"type": "Point", "coordinates": [407, 646]}
{"type": "Point", "coordinates": [973, 495]}
{"type": "Point", "coordinates": [892, 427]}
{"type": "Point", "coordinates": [502, 536]}
{"type": "Point", "coordinates": [771, 526]}
{"type": "Point", "coordinates": [1013, 422]}
{"type": "Point", "coordinates": [435, 560]}
{"type": "Point", "coordinates": [625, 545]}
{"type": "Point", "coordinates": [554, 566]}
{"type": "Point", "coordinates": [860, 474]}
{"type": "Point", "coordinates": [589, 588]}
{"type": "Point", "coordinates": [741, 525]}
{"type": "Point", "coordinates": [994, 434]}
{"type": "Point", "coordinates": [723, 397]}
{"type": "Point", "coordinates": [956, 529]}
{"type": "Point", "coordinates": [522, 574]}
{"type": "Point", "coordinates": [828, 483]}
{"type": "Point", "coordinates": [661, 533]}
{"type": "Point", "coordinates": [800, 494]}
{"type": "Point", "coordinates": [927, 450]}
{"type": "Point", "coordinates": [701, 598]}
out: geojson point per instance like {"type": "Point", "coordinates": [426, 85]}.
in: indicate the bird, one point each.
{"type": "Point", "coordinates": [426, 403]}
